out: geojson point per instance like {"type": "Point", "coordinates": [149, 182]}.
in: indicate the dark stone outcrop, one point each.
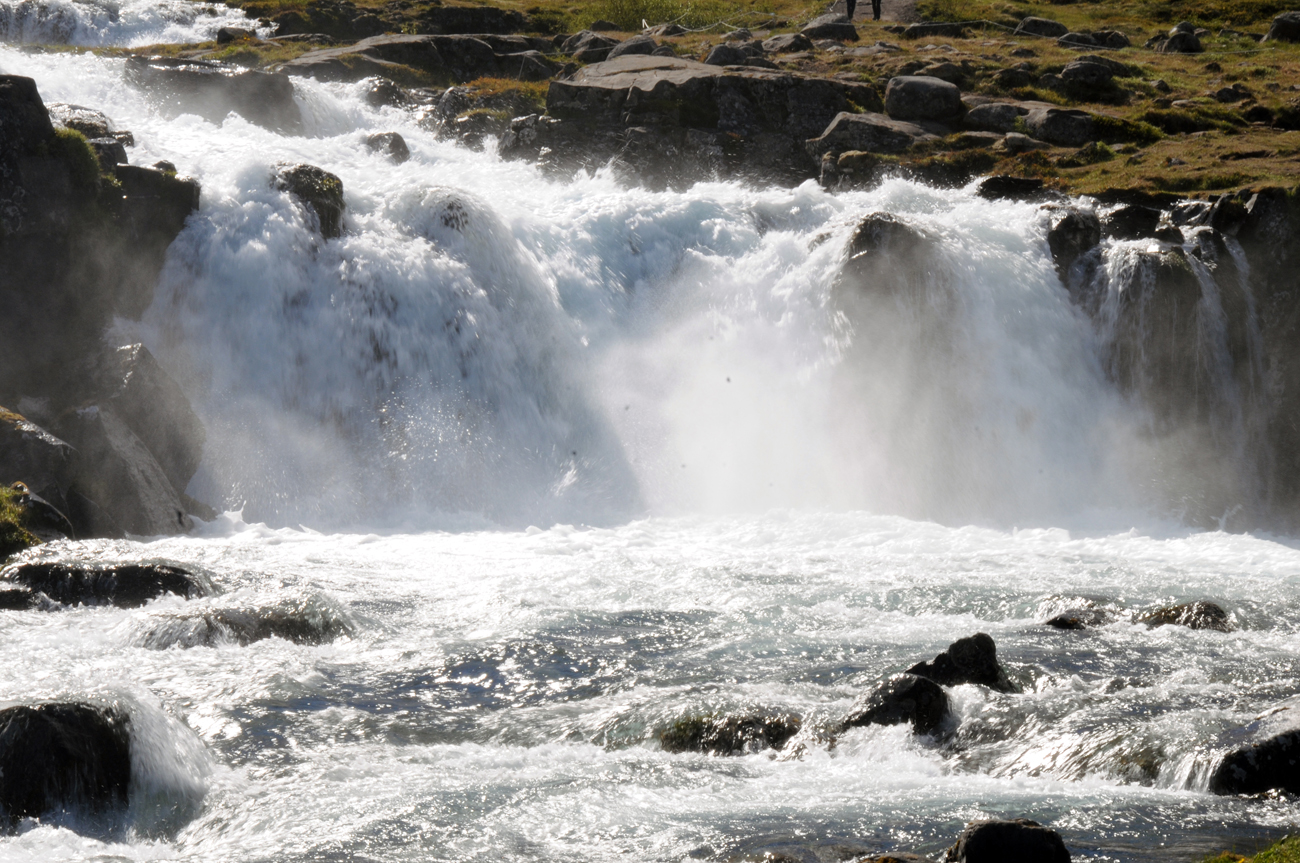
{"type": "Point", "coordinates": [1285, 28]}
{"type": "Point", "coordinates": [126, 585]}
{"type": "Point", "coordinates": [871, 133]}
{"type": "Point", "coordinates": [319, 191]}
{"type": "Point", "coordinates": [669, 121]}
{"type": "Point", "coordinates": [973, 659]}
{"type": "Point", "coordinates": [33, 456]}
{"type": "Point", "coordinates": [1043, 27]}
{"type": "Point", "coordinates": [1018, 841]}
{"type": "Point", "coordinates": [1010, 188]}
{"type": "Point", "coordinates": [886, 257]}
{"type": "Point", "coordinates": [1072, 234]}
{"type": "Point", "coordinates": [1193, 615]}
{"type": "Point", "coordinates": [1131, 222]}
{"type": "Point", "coordinates": [42, 518]}
{"type": "Point", "coordinates": [903, 698]}
{"type": "Point", "coordinates": [1065, 127]}
{"type": "Point", "coordinates": [59, 758]}
{"type": "Point", "coordinates": [730, 735]}
{"type": "Point", "coordinates": [787, 43]}
{"type": "Point", "coordinates": [635, 45]}
{"type": "Point", "coordinates": [835, 27]}
{"type": "Point", "coordinates": [390, 144]}
{"type": "Point", "coordinates": [301, 622]}
{"type": "Point", "coordinates": [449, 59]}
{"type": "Point", "coordinates": [1268, 765]}
{"type": "Point", "coordinates": [1079, 618]}
{"type": "Point", "coordinates": [213, 90]}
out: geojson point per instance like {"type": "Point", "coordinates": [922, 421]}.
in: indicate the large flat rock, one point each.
{"type": "Point", "coordinates": [454, 58]}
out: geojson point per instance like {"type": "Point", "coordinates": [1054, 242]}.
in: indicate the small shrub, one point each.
{"type": "Point", "coordinates": [1117, 130]}
{"type": "Point", "coordinates": [70, 146]}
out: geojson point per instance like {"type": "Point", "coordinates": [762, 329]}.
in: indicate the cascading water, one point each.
{"type": "Point", "coordinates": [775, 469]}
{"type": "Point", "coordinates": [110, 22]}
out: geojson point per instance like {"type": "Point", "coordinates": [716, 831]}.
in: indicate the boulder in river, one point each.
{"type": "Point", "coordinates": [319, 191]}
{"type": "Point", "coordinates": [903, 698]}
{"type": "Point", "coordinates": [730, 735]}
{"type": "Point", "coordinates": [301, 621]}
{"type": "Point", "coordinates": [973, 659]}
{"type": "Point", "coordinates": [1193, 615]}
{"type": "Point", "coordinates": [390, 144]}
{"type": "Point", "coordinates": [62, 758]}
{"type": "Point", "coordinates": [1270, 764]}
{"type": "Point", "coordinates": [213, 91]}
{"type": "Point", "coordinates": [1071, 234]}
{"type": "Point", "coordinates": [1017, 841]}
{"type": "Point", "coordinates": [125, 585]}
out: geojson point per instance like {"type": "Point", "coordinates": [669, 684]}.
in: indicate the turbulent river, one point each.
{"type": "Point", "coordinates": [572, 462]}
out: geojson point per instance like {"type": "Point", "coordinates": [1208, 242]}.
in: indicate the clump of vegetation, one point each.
{"type": "Point", "coordinates": [14, 535]}
{"type": "Point", "coordinates": [71, 147]}
{"type": "Point", "coordinates": [628, 14]}
{"type": "Point", "coordinates": [1117, 130]}
{"type": "Point", "coordinates": [1182, 121]}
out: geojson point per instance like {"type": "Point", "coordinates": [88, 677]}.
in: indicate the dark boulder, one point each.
{"type": "Point", "coordinates": [1018, 841]}
{"type": "Point", "coordinates": [126, 585]}
{"type": "Point", "coordinates": [886, 257]}
{"type": "Point", "coordinates": [831, 27]}
{"type": "Point", "coordinates": [730, 735]}
{"type": "Point", "coordinates": [1009, 188]}
{"type": "Point", "coordinates": [24, 122]}
{"type": "Point", "coordinates": [109, 152]}
{"type": "Point", "coordinates": [973, 659]}
{"type": "Point", "coordinates": [1131, 222]}
{"type": "Point", "coordinates": [1079, 618]}
{"type": "Point", "coordinates": [787, 43]}
{"type": "Point", "coordinates": [213, 91]}
{"type": "Point", "coordinates": [389, 144]}
{"type": "Point", "coordinates": [33, 456]}
{"type": "Point", "coordinates": [16, 599]}
{"type": "Point", "coordinates": [1271, 764]}
{"type": "Point", "coordinates": [319, 191]}
{"type": "Point", "coordinates": [587, 46]}
{"type": "Point", "coordinates": [635, 45]}
{"type": "Point", "coordinates": [308, 621]}
{"type": "Point", "coordinates": [726, 55]}
{"type": "Point", "coordinates": [88, 121]}
{"type": "Point", "coordinates": [1041, 27]}
{"type": "Point", "coordinates": [226, 35]}
{"type": "Point", "coordinates": [1087, 77]}
{"type": "Point", "coordinates": [383, 93]}
{"type": "Point", "coordinates": [1180, 42]}
{"type": "Point", "coordinates": [153, 210]}
{"type": "Point", "coordinates": [902, 698]}
{"type": "Point", "coordinates": [63, 758]}
{"type": "Point", "coordinates": [935, 30]}
{"type": "Point", "coordinates": [155, 408]}
{"type": "Point", "coordinates": [116, 471]}
{"type": "Point", "coordinates": [1077, 40]}
{"type": "Point", "coordinates": [920, 97]}
{"type": "Point", "coordinates": [994, 117]}
{"type": "Point", "coordinates": [1071, 234]}
{"type": "Point", "coordinates": [1065, 127]}
{"type": "Point", "coordinates": [44, 520]}
{"type": "Point", "coordinates": [1193, 615]}
{"type": "Point", "coordinates": [871, 133]}
{"type": "Point", "coordinates": [1285, 28]}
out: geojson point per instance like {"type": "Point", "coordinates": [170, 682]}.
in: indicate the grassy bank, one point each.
{"type": "Point", "coordinates": [1284, 851]}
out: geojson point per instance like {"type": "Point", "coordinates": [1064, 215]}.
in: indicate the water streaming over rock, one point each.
{"type": "Point", "coordinates": [775, 462]}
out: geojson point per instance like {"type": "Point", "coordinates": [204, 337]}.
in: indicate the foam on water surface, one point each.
{"type": "Point", "coordinates": [577, 461]}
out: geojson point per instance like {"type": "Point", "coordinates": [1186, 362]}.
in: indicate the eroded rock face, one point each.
{"type": "Point", "coordinates": [127, 585]}
{"type": "Point", "coordinates": [319, 191]}
{"type": "Point", "coordinates": [729, 735]}
{"type": "Point", "coordinates": [57, 758]}
{"type": "Point", "coordinates": [967, 660]}
{"type": "Point", "coordinates": [1018, 841]}
{"type": "Point", "coordinates": [213, 91]}
{"type": "Point", "coordinates": [904, 698]}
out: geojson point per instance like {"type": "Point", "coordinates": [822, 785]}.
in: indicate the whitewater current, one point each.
{"type": "Point", "coordinates": [573, 461]}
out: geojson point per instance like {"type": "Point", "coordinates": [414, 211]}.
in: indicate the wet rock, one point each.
{"type": "Point", "coordinates": [1285, 28]}
{"type": "Point", "coordinates": [57, 758]}
{"type": "Point", "coordinates": [787, 43]}
{"type": "Point", "coordinates": [318, 190]}
{"type": "Point", "coordinates": [154, 407]}
{"type": "Point", "coordinates": [31, 455]}
{"type": "Point", "coordinates": [1018, 841]}
{"type": "Point", "coordinates": [454, 58]}
{"type": "Point", "coordinates": [213, 91]}
{"type": "Point", "coordinates": [885, 257]}
{"type": "Point", "coordinates": [1193, 615]}
{"type": "Point", "coordinates": [730, 735]}
{"type": "Point", "coordinates": [904, 698]}
{"type": "Point", "coordinates": [307, 621]}
{"type": "Point", "coordinates": [1009, 188]}
{"type": "Point", "coordinates": [154, 208]}
{"type": "Point", "coordinates": [383, 93]}
{"type": "Point", "coordinates": [1044, 27]}
{"type": "Point", "coordinates": [24, 122]}
{"type": "Point", "coordinates": [919, 97]}
{"type": "Point", "coordinates": [226, 35]}
{"type": "Point", "coordinates": [1130, 222]}
{"type": "Point", "coordinates": [109, 152]}
{"type": "Point", "coordinates": [1268, 765]}
{"type": "Point", "coordinates": [973, 659]}
{"type": "Point", "coordinates": [39, 516]}
{"type": "Point", "coordinates": [874, 133]}
{"type": "Point", "coordinates": [1072, 234]}
{"type": "Point", "coordinates": [635, 45]}
{"type": "Point", "coordinates": [19, 599]}
{"type": "Point", "coordinates": [126, 585]}
{"type": "Point", "coordinates": [389, 144]}
{"type": "Point", "coordinates": [1079, 618]}
{"type": "Point", "coordinates": [114, 469]}
{"type": "Point", "coordinates": [89, 122]}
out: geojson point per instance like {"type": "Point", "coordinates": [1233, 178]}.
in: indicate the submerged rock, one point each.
{"type": "Point", "coordinates": [967, 660]}
{"type": "Point", "coordinates": [730, 735]}
{"type": "Point", "coordinates": [1193, 615]}
{"type": "Point", "coordinates": [1270, 763]}
{"type": "Point", "coordinates": [126, 585]}
{"type": "Point", "coordinates": [318, 190]}
{"type": "Point", "coordinates": [301, 622]}
{"type": "Point", "coordinates": [1018, 841]}
{"type": "Point", "coordinates": [57, 758]}
{"type": "Point", "coordinates": [903, 698]}
{"type": "Point", "coordinates": [390, 144]}
{"type": "Point", "coordinates": [213, 91]}
{"type": "Point", "coordinates": [1079, 618]}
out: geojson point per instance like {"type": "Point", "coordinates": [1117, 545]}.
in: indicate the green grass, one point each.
{"type": "Point", "coordinates": [628, 14]}
{"type": "Point", "coordinates": [14, 537]}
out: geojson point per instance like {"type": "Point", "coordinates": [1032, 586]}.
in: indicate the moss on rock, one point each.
{"type": "Point", "coordinates": [14, 535]}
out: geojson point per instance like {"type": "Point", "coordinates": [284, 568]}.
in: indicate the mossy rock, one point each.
{"type": "Point", "coordinates": [319, 190]}
{"type": "Point", "coordinates": [14, 535]}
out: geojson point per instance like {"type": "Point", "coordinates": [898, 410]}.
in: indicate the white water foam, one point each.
{"type": "Point", "coordinates": [95, 23]}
